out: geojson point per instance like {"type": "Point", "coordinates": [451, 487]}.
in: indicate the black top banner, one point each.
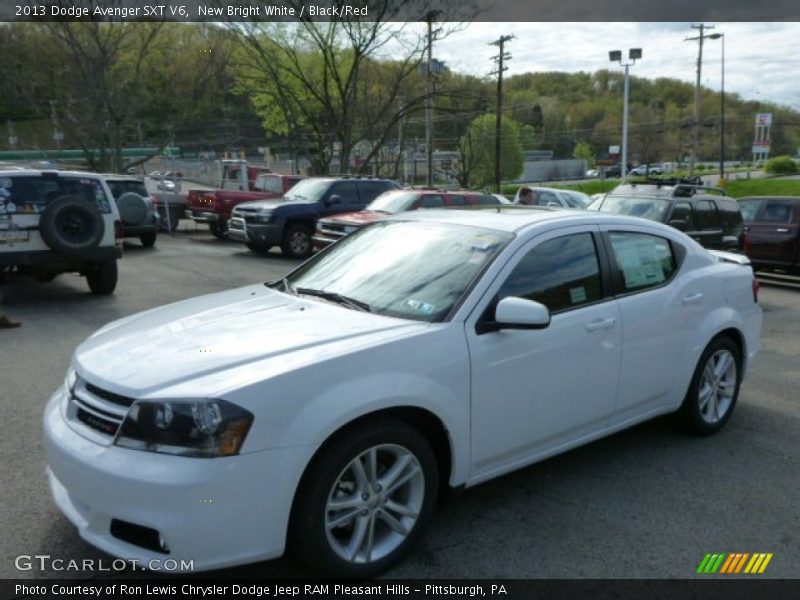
{"type": "Point", "coordinates": [400, 10]}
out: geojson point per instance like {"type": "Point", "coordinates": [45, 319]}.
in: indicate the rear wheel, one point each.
{"type": "Point", "coordinates": [148, 239]}
{"type": "Point", "coordinates": [297, 241]}
{"type": "Point", "coordinates": [714, 388]}
{"type": "Point", "coordinates": [364, 500]}
{"type": "Point", "coordinates": [102, 277]}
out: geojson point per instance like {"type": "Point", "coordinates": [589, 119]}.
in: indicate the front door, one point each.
{"type": "Point", "coordinates": [535, 392]}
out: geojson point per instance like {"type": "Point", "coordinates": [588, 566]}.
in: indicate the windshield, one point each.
{"type": "Point", "coordinates": [654, 209]}
{"type": "Point", "coordinates": [407, 269]}
{"type": "Point", "coordinates": [269, 183]}
{"type": "Point", "coordinates": [309, 189]}
{"type": "Point", "coordinates": [393, 202]}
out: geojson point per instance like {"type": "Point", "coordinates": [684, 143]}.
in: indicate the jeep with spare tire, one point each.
{"type": "Point", "coordinates": [136, 208]}
{"type": "Point", "coordinates": [54, 222]}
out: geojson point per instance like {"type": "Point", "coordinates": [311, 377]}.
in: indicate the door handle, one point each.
{"type": "Point", "coordinates": [692, 298]}
{"type": "Point", "coordinates": [601, 324]}
{"type": "Point", "coordinates": [782, 230]}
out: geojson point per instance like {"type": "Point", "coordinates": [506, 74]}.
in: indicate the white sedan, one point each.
{"type": "Point", "coordinates": [325, 411]}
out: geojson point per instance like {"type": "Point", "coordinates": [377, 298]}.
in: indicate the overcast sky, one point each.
{"type": "Point", "coordinates": [762, 60]}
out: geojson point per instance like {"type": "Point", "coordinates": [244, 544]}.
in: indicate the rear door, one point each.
{"type": "Point", "coordinates": [774, 232]}
{"type": "Point", "coordinates": [707, 224]}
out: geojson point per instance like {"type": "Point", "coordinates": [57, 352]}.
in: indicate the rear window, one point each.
{"type": "Point", "coordinates": [123, 187]}
{"type": "Point", "coordinates": [654, 209]}
{"type": "Point", "coordinates": [31, 194]}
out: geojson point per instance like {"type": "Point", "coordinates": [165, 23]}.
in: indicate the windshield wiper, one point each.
{"type": "Point", "coordinates": [334, 297]}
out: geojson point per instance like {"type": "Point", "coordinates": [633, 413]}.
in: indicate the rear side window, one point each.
{"type": "Point", "coordinates": [370, 190]}
{"type": "Point", "coordinates": [682, 211]}
{"type": "Point", "coordinates": [32, 194]}
{"type": "Point", "coordinates": [456, 200]}
{"type": "Point", "coordinates": [562, 273]}
{"type": "Point", "coordinates": [730, 213]}
{"type": "Point", "coordinates": [644, 261]}
{"type": "Point", "coordinates": [777, 211]}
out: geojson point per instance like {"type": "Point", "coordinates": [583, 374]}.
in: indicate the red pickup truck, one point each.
{"type": "Point", "coordinates": [240, 183]}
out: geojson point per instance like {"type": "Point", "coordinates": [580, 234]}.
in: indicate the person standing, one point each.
{"type": "Point", "coordinates": [526, 196]}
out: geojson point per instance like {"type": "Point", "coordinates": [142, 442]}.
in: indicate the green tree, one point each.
{"type": "Point", "coordinates": [477, 148]}
{"type": "Point", "coordinates": [584, 151]}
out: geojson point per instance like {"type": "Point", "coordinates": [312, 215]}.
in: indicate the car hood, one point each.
{"type": "Point", "coordinates": [272, 202]}
{"type": "Point", "coordinates": [361, 217]}
{"type": "Point", "coordinates": [199, 342]}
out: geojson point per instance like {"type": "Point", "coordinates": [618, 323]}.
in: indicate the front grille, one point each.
{"type": "Point", "coordinates": [105, 426]}
{"type": "Point", "coordinates": [110, 396]}
{"type": "Point", "coordinates": [95, 412]}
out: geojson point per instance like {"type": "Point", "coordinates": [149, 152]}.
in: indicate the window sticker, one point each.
{"type": "Point", "coordinates": [639, 262]}
{"type": "Point", "coordinates": [577, 295]}
{"type": "Point", "coordinates": [421, 307]}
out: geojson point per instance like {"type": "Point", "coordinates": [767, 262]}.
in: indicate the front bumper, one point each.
{"type": "Point", "coordinates": [202, 216]}
{"type": "Point", "coordinates": [216, 512]}
{"type": "Point", "coordinates": [266, 234]}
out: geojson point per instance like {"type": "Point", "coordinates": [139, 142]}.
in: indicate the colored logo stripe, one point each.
{"type": "Point", "coordinates": [734, 562]}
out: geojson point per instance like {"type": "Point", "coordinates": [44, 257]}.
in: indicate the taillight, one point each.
{"type": "Point", "coordinates": [756, 287]}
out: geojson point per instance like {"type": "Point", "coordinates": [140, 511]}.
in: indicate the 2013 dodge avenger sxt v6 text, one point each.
{"type": "Point", "coordinates": [325, 411]}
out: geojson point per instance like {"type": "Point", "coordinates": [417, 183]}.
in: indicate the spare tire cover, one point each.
{"type": "Point", "coordinates": [71, 225]}
{"type": "Point", "coordinates": [132, 208]}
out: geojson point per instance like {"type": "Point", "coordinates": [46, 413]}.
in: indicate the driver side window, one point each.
{"type": "Point", "coordinates": [561, 273]}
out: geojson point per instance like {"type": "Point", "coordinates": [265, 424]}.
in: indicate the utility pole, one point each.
{"type": "Point", "coordinates": [429, 17]}
{"type": "Point", "coordinates": [696, 129]}
{"type": "Point", "coordinates": [401, 109]}
{"type": "Point", "coordinates": [501, 57]}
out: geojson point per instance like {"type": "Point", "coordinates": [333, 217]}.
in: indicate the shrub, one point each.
{"type": "Point", "coordinates": [781, 165]}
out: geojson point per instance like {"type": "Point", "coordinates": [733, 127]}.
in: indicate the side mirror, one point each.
{"type": "Point", "coordinates": [516, 313]}
{"type": "Point", "coordinates": [333, 199]}
{"type": "Point", "coordinates": [678, 224]}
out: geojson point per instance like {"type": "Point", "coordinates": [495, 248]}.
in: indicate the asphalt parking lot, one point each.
{"type": "Point", "coordinates": [646, 503]}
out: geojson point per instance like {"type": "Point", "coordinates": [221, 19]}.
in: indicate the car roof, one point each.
{"type": "Point", "coordinates": [793, 198]}
{"type": "Point", "coordinates": [121, 177]}
{"type": "Point", "coordinates": [514, 218]}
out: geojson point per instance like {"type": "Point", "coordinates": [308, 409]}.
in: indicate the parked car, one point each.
{"type": "Point", "coordinates": [136, 208]}
{"type": "Point", "coordinates": [544, 196]}
{"type": "Point", "coordinates": [647, 170]}
{"type": "Point", "coordinates": [437, 349]}
{"type": "Point", "coordinates": [614, 170]}
{"type": "Point", "coordinates": [714, 221]}
{"type": "Point", "coordinates": [773, 227]}
{"type": "Point", "coordinates": [54, 222]}
{"type": "Point", "coordinates": [240, 182]}
{"type": "Point", "coordinates": [289, 222]}
{"type": "Point", "coordinates": [392, 202]}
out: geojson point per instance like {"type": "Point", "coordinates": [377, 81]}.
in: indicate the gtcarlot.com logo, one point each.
{"type": "Point", "coordinates": [734, 563]}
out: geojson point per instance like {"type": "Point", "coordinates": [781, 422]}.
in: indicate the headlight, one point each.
{"type": "Point", "coordinates": [203, 428]}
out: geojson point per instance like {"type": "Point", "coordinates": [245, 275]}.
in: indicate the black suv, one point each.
{"type": "Point", "coordinates": [702, 212]}
{"type": "Point", "coordinates": [289, 222]}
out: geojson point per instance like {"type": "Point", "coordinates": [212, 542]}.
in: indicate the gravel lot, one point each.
{"type": "Point", "coordinates": [648, 502]}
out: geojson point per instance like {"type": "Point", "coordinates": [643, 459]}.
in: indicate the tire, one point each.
{"type": "Point", "coordinates": [132, 208]}
{"type": "Point", "coordinates": [297, 241]}
{"type": "Point", "coordinates": [334, 472]}
{"type": "Point", "coordinates": [70, 226]}
{"type": "Point", "coordinates": [257, 248]}
{"type": "Point", "coordinates": [102, 277]}
{"type": "Point", "coordinates": [219, 230]}
{"type": "Point", "coordinates": [714, 388]}
{"type": "Point", "coordinates": [148, 239]}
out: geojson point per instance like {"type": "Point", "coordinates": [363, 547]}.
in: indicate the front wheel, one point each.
{"type": "Point", "coordinates": [714, 388]}
{"type": "Point", "coordinates": [297, 242]}
{"type": "Point", "coordinates": [364, 500]}
{"type": "Point", "coordinates": [102, 277]}
{"type": "Point", "coordinates": [219, 229]}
